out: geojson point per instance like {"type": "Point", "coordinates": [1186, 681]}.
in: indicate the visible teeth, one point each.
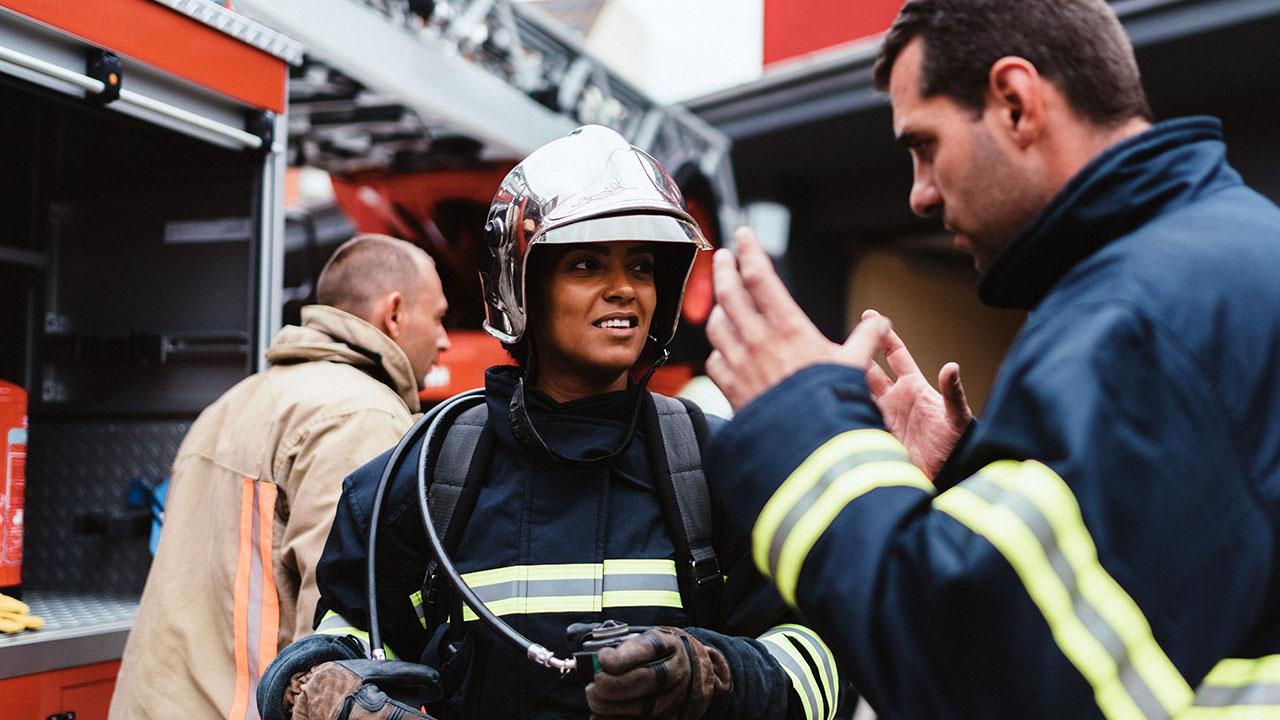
{"type": "Point", "coordinates": [618, 323]}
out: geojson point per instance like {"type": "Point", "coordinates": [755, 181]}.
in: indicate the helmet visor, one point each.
{"type": "Point", "coordinates": [624, 228]}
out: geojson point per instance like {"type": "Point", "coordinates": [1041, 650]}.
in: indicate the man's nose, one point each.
{"type": "Point", "coordinates": [443, 343]}
{"type": "Point", "coordinates": [925, 199]}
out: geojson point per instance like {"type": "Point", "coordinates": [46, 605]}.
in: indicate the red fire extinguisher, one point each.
{"type": "Point", "coordinates": [13, 480]}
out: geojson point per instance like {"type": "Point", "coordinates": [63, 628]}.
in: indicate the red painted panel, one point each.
{"type": "Point", "coordinates": [798, 27]}
{"type": "Point", "coordinates": [84, 690]}
{"type": "Point", "coordinates": [170, 41]}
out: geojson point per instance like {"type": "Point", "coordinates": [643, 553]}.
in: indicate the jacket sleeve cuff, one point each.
{"type": "Point", "coordinates": [759, 687]}
{"type": "Point", "coordinates": [791, 420]}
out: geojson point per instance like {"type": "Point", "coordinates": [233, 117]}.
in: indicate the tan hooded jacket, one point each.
{"type": "Point", "coordinates": [252, 496]}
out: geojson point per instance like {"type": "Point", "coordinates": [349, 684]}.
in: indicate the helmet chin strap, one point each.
{"type": "Point", "coordinates": [522, 425]}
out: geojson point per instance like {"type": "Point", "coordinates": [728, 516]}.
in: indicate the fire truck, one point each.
{"type": "Point", "coordinates": [148, 254]}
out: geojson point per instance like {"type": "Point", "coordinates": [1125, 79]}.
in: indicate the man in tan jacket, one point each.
{"type": "Point", "coordinates": [257, 478]}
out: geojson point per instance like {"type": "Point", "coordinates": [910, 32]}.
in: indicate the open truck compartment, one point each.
{"type": "Point", "coordinates": [138, 281]}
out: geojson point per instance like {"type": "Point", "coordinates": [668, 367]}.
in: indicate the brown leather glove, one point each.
{"type": "Point", "coordinates": [665, 673]}
{"type": "Point", "coordinates": [349, 690]}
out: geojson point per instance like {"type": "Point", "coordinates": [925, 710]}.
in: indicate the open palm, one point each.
{"type": "Point", "coordinates": [927, 422]}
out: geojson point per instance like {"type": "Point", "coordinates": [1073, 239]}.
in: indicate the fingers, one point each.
{"type": "Point", "coordinates": [895, 351]}
{"type": "Point", "coordinates": [865, 341]}
{"type": "Point", "coordinates": [762, 282]}
{"type": "Point", "coordinates": [732, 296]}
{"type": "Point", "coordinates": [878, 380]}
{"type": "Point", "coordinates": [637, 651]}
{"type": "Point", "coordinates": [953, 396]}
{"type": "Point", "coordinates": [638, 677]}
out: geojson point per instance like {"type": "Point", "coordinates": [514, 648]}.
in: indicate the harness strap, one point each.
{"type": "Point", "coordinates": [456, 477]}
{"type": "Point", "coordinates": [681, 441]}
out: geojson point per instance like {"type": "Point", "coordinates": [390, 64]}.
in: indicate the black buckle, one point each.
{"type": "Point", "coordinates": [705, 571]}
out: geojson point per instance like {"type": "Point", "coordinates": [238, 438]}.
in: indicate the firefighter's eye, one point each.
{"type": "Point", "coordinates": [643, 266]}
{"type": "Point", "coordinates": [583, 263]}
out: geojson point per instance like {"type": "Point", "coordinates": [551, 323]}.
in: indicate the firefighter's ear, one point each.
{"type": "Point", "coordinates": [390, 315]}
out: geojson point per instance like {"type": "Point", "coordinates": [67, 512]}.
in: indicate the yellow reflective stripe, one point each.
{"type": "Point", "coordinates": [416, 600]}
{"type": "Point", "coordinates": [579, 603]}
{"type": "Point", "coordinates": [822, 657]}
{"type": "Point", "coordinates": [1022, 550]}
{"type": "Point", "coordinates": [639, 567]}
{"type": "Point", "coordinates": [578, 587]}
{"type": "Point", "coordinates": [641, 598]}
{"type": "Point", "coordinates": [1238, 673]}
{"type": "Point", "coordinates": [797, 641]}
{"type": "Point", "coordinates": [1050, 495]}
{"type": "Point", "coordinates": [334, 624]}
{"type": "Point", "coordinates": [1238, 689]}
{"type": "Point", "coordinates": [1234, 712]}
{"type": "Point", "coordinates": [796, 668]}
{"type": "Point", "coordinates": [843, 490]}
{"type": "Point", "coordinates": [805, 477]}
{"type": "Point", "coordinates": [520, 573]}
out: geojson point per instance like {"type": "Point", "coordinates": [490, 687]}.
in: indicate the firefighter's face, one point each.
{"type": "Point", "coordinates": [965, 170]}
{"type": "Point", "coordinates": [596, 303]}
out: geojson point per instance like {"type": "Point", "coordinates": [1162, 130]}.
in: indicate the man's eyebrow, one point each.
{"type": "Point", "coordinates": [910, 138]}
{"type": "Point", "coordinates": [646, 248]}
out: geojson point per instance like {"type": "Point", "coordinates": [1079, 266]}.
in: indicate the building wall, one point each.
{"type": "Point", "coordinates": [930, 298]}
{"type": "Point", "coordinates": [798, 27]}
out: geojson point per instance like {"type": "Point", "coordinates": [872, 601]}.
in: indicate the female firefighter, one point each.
{"type": "Point", "coordinates": [571, 495]}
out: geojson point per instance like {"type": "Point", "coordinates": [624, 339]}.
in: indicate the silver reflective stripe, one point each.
{"type": "Point", "coordinates": [798, 671]}
{"type": "Point", "coordinates": [578, 587]}
{"type": "Point", "coordinates": [1248, 695]}
{"type": "Point", "coordinates": [1088, 615]}
{"type": "Point", "coordinates": [810, 498]}
{"type": "Point", "coordinates": [823, 659]}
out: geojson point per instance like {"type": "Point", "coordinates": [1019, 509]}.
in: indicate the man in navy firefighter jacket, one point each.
{"type": "Point", "coordinates": [1103, 542]}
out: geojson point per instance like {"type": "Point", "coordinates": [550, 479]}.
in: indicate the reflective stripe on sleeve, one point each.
{"type": "Point", "coordinates": [842, 470]}
{"type": "Point", "coordinates": [334, 624]}
{"type": "Point", "coordinates": [255, 613]}
{"type": "Point", "coordinates": [1029, 514]}
{"type": "Point", "coordinates": [1238, 690]}
{"type": "Point", "coordinates": [579, 587]}
{"type": "Point", "coordinates": [812, 668]}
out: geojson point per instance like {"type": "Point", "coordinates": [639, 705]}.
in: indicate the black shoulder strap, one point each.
{"type": "Point", "coordinates": [456, 476]}
{"type": "Point", "coordinates": [684, 428]}
{"type": "Point", "coordinates": [452, 466]}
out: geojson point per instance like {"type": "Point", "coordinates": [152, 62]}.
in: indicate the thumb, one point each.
{"type": "Point", "coordinates": [864, 342]}
{"type": "Point", "coordinates": [957, 404]}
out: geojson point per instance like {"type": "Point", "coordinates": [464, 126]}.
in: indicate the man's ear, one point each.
{"type": "Point", "coordinates": [390, 315]}
{"type": "Point", "coordinates": [1016, 93]}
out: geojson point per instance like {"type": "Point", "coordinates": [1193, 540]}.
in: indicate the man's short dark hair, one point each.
{"type": "Point", "coordinates": [366, 268]}
{"type": "Point", "coordinates": [1078, 45]}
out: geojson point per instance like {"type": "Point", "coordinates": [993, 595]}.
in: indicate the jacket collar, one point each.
{"type": "Point", "coordinates": [1116, 193]}
{"type": "Point", "coordinates": [578, 428]}
{"type": "Point", "coordinates": [332, 335]}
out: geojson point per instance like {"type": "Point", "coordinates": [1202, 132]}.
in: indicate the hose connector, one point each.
{"type": "Point", "coordinates": [546, 658]}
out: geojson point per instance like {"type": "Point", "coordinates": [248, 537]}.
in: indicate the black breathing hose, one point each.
{"type": "Point", "coordinates": [532, 650]}
{"type": "Point", "coordinates": [426, 422]}
{"type": "Point", "coordinates": [426, 428]}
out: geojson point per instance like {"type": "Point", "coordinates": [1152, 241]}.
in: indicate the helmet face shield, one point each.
{"type": "Point", "coordinates": [589, 187]}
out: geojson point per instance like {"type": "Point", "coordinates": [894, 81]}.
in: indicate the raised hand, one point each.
{"type": "Point", "coordinates": [761, 337]}
{"type": "Point", "coordinates": [929, 423]}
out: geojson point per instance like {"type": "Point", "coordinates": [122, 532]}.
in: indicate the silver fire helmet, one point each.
{"type": "Point", "coordinates": [591, 186]}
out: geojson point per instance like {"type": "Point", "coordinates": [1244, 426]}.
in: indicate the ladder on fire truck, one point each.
{"type": "Point", "coordinates": [452, 80]}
